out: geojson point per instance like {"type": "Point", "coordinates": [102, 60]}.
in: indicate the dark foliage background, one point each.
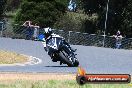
{"type": "Point", "coordinates": [54, 13]}
{"type": "Point", "coordinates": [2, 7]}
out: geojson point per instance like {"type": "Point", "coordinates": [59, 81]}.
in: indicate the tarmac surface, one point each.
{"type": "Point", "coordinates": [93, 59]}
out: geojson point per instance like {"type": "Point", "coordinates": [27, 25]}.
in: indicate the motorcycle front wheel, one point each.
{"type": "Point", "coordinates": [66, 60]}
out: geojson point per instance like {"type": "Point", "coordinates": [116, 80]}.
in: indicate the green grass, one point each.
{"type": "Point", "coordinates": [57, 84]}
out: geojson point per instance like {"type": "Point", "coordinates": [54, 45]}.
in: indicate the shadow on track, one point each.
{"type": "Point", "coordinates": [56, 66]}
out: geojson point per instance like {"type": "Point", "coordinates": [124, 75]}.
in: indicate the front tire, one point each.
{"type": "Point", "coordinates": [66, 60]}
{"type": "Point", "coordinates": [76, 63]}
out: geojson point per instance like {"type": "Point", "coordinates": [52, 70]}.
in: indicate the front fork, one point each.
{"type": "Point", "coordinates": [67, 50]}
{"type": "Point", "coordinates": [70, 53]}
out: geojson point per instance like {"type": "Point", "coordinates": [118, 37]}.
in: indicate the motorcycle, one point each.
{"type": "Point", "coordinates": [60, 51]}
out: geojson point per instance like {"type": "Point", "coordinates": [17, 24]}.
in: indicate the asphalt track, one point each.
{"type": "Point", "coordinates": [92, 59]}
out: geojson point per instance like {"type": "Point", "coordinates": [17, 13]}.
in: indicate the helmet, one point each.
{"type": "Point", "coordinates": [47, 32]}
{"type": "Point", "coordinates": [118, 33]}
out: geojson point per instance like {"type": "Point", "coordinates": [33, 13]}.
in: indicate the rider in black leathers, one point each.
{"type": "Point", "coordinates": [48, 35]}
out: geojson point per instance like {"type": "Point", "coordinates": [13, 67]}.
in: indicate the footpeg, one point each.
{"type": "Point", "coordinates": [75, 54]}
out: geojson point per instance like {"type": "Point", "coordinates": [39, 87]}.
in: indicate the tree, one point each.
{"type": "Point", "coordinates": [2, 7]}
{"type": "Point", "coordinates": [115, 17]}
{"type": "Point", "coordinates": [126, 23]}
{"type": "Point", "coordinates": [92, 6]}
{"type": "Point", "coordinates": [72, 21]}
{"type": "Point", "coordinates": [43, 12]}
{"type": "Point", "coordinates": [13, 4]}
